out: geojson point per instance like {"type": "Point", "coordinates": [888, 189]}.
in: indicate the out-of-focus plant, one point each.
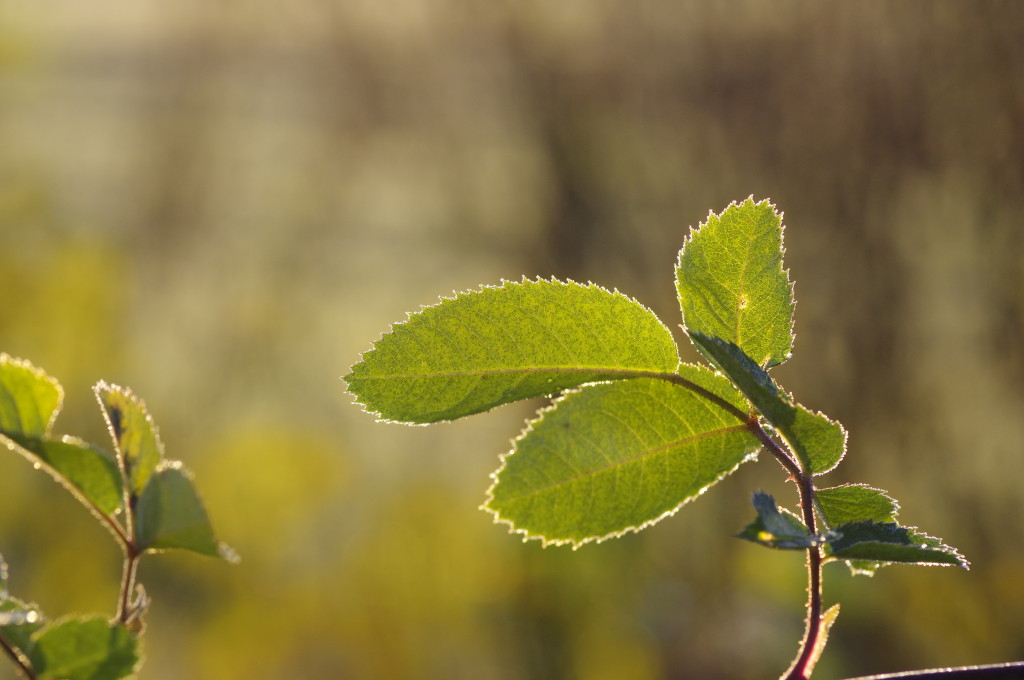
{"type": "Point", "coordinates": [147, 502]}
{"type": "Point", "coordinates": [634, 434]}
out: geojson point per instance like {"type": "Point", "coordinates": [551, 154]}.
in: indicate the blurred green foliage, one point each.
{"type": "Point", "coordinates": [220, 207]}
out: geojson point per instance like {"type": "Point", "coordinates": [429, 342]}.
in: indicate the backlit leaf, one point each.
{"type": "Point", "coordinates": [84, 648]}
{"type": "Point", "coordinates": [136, 439]}
{"type": "Point", "coordinates": [29, 399]}
{"type": "Point", "coordinates": [855, 502]}
{"type": "Point", "coordinates": [818, 442]}
{"type": "Point", "coordinates": [501, 344]}
{"type": "Point", "coordinates": [615, 457]}
{"type": "Point", "coordinates": [90, 473]}
{"type": "Point", "coordinates": [731, 283]}
{"type": "Point", "coordinates": [171, 514]}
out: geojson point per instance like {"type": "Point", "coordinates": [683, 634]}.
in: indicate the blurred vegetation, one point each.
{"type": "Point", "coordinates": [221, 207]}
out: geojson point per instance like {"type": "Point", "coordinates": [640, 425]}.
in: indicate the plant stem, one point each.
{"type": "Point", "coordinates": [803, 665]}
{"type": "Point", "coordinates": [131, 567]}
{"type": "Point", "coordinates": [24, 667]}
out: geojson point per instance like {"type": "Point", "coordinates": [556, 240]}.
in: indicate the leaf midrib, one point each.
{"type": "Point", "coordinates": [617, 372]}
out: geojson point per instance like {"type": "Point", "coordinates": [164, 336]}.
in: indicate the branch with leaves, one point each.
{"type": "Point", "coordinates": [634, 433]}
{"type": "Point", "coordinates": [148, 503]}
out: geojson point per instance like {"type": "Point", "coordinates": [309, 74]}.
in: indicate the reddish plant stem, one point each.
{"type": "Point", "coordinates": [131, 566]}
{"type": "Point", "coordinates": [802, 666]}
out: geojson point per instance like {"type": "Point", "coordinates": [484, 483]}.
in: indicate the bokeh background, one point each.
{"type": "Point", "coordinates": [221, 205]}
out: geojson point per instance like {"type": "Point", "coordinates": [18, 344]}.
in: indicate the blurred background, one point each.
{"type": "Point", "coordinates": [222, 206]}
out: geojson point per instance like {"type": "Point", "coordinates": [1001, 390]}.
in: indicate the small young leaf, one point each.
{"type": "Point", "coordinates": [731, 283]}
{"type": "Point", "coordinates": [886, 542]}
{"type": "Point", "coordinates": [136, 439]}
{"type": "Point", "coordinates": [501, 344]}
{"type": "Point", "coordinates": [779, 528]}
{"type": "Point", "coordinates": [87, 471]}
{"type": "Point", "coordinates": [170, 514]}
{"type": "Point", "coordinates": [84, 648]}
{"type": "Point", "coordinates": [855, 502]}
{"type": "Point", "coordinates": [618, 456]}
{"type": "Point", "coordinates": [818, 442]}
{"type": "Point", "coordinates": [29, 399]}
{"type": "Point", "coordinates": [827, 620]}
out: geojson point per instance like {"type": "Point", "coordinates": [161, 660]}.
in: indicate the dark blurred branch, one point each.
{"type": "Point", "coordinates": [1013, 669]}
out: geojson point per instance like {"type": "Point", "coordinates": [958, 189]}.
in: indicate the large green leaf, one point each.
{"type": "Point", "coordinates": [135, 436]}
{"type": "Point", "coordinates": [731, 283]}
{"type": "Point", "coordinates": [29, 399]}
{"type": "Point", "coordinates": [615, 457]}
{"type": "Point", "coordinates": [84, 648]}
{"type": "Point", "coordinates": [501, 344]}
{"type": "Point", "coordinates": [171, 514]}
{"type": "Point", "coordinates": [90, 473]}
{"type": "Point", "coordinates": [818, 442]}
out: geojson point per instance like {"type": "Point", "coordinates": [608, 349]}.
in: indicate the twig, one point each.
{"type": "Point", "coordinates": [1000, 671]}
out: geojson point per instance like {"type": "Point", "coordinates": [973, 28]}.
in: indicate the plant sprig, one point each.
{"type": "Point", "coordinates": [634, 433]}
{"type": "Point", "coordinates": [148, 504]}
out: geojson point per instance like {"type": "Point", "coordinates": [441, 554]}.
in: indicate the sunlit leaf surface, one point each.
{"type": "Point", "coordinates": [501, 344]}
{"type": "Point", "coordinates": [617, 456]}
{"type": "Point", "coordinates": [731, 283]}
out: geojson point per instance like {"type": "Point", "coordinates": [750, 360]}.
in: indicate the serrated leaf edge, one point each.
{"type": "Point", "coordinates": [456, 295]}
{"type": "Point", "coordinates": [84, 618]}
{"type": "Point", "coordinates": [106, 520]}
{"type": "Point", "coordinates": [576, 544]}
{"type": "Point", "coordinates": [782, 258]}
{"type": "Point", "coordinates": [859, 485]}
{"type": "Point", "coordinates": [104, 386]}
{"type": "Point", "coordinates": [6, 358]}
{"type": "Point", "coordinates": [941, 547]}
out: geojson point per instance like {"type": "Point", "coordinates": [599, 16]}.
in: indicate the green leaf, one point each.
{"type": "Point", "coordinates": [780, 529]}
{"type": "Point", "coordinates": [888, 542]}
{"type": "Point", "coordinates": [84, 648]}
{"type": "Point", "coordinates": [171, 514]}
{"type": "Point", "coordinates": [90, 473]}
{"type": "Point", "coordinates": [29, 399]}
{"type": "Point", "coordinates": [855, 502]}
{"type": "Point", "coordinates": [136, 439]}
{"type": "Point", "coordinates": [618, 456]}
{"type": "Point", "coordinates": [818, 442]}
{"type": "Point", "coordinates": [827, 620]}
{"type": "Point", "coordinates": [500, 344]}
{"type": "Point", "coordinates": [731, 283]}
{"type": "Point", "coordinates": [18, 621]}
